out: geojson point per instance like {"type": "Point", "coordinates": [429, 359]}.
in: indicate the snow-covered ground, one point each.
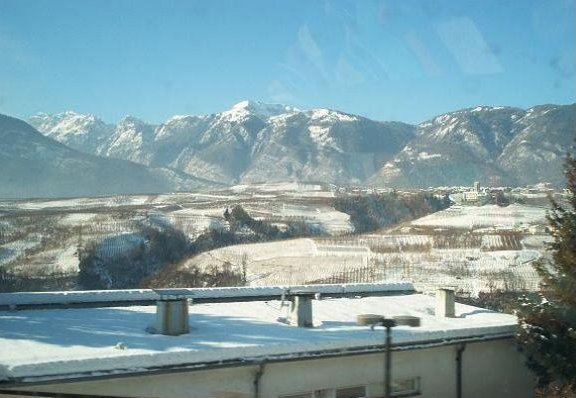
{"type": "Point", "coordinates": [14, 250]}
{"type": "Point", "coordinates": [74, 219]}
{"type": "Point", "coordinates": [38, 235]}
{"type": "Point", "coordinates": [492, 216]}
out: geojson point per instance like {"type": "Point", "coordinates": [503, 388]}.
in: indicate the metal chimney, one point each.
{"type": "Point", "coordinates": [301, 309]}
{"type": "Point", "coordinates": [172, 312]}
{"type": "Point", "coordinates": [445, 303]}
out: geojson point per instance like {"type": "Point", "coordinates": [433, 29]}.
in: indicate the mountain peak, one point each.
{"type": "Point", "coordinates": [129, 119]}
{"type": "Point", "coordinates": [332, 115]}
{"type": "Point", "coordinates": [70, 112]}
{"type": "Point", "coordinates": [261, 109]}
{"type": "Point", "coordinates": [244, 104]}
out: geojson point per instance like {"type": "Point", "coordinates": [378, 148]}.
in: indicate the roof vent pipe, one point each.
{"type": "Point", "coordinates": [301, 309]}
{"type": "Point", "coordinates": [445, 303]}
{"type": "Point", "coordinates": [172, 312]}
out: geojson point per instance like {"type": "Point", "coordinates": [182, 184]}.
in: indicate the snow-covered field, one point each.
{"type": "Point", "coordinates": [13, 250]}
{"type": "Point", "coordinates": [40, 235]}
{"type": "Point", "coordinates": [488, 216]}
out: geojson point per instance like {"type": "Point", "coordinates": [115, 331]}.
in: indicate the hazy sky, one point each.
{"type": "Point", "coordinates": [388, 60]}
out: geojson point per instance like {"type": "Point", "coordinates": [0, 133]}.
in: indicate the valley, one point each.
{"type": "Point", "coordinates": [473, 248]}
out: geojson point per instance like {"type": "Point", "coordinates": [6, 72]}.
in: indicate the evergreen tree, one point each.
{"type": "Point", "coordinates": [547, 332]}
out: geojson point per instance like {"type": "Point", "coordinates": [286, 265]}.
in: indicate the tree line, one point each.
{"type": "Point", "coordinates": [374, 211]}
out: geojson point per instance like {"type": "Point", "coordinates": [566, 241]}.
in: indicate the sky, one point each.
{"type": "Point", "coordinates": [401, 60]}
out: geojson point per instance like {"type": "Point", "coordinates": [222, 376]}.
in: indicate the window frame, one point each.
{"type": "Point", "coordinates": [350, 388]}
{"type": "Point", "coordinates": [417, 391]}
{"type": "Point", "coordinates": [302, 394]}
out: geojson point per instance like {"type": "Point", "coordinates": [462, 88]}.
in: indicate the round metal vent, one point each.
{"type": "Point", "coordinates": [407, 320]}
{"type": "Point", "coordinates": [369, 319]}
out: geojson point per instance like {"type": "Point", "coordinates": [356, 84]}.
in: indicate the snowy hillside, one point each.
{"type": "Point", "coordinates": [472, 248]}
{"type": "Point", "coordinates": [544, 136]}
{"type": "Point", "coordinates": [493, 145]}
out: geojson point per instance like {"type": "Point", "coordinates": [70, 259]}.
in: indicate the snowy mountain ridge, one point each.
{"type": "Point", "coordinates": [244, 109]}
{"type": "Point", "coordinates": [254, 141]}
{"type": "Point", "coordinates": [83, 132]}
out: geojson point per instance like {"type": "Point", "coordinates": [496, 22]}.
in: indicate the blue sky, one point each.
{"type": "Point", "coordinates": [389, 60]}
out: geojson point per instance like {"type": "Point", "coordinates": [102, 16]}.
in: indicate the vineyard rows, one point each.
{"type": "Point", "coordinates": [117, 245]}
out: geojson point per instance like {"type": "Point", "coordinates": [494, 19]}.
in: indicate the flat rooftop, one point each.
{"type": "Point", "coordinates": [49, 344]}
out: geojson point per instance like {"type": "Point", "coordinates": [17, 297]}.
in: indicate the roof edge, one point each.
{"type": "Point", "coordinates": [108, 298]}
{"type": "Point", "coordinates": [253, 361]}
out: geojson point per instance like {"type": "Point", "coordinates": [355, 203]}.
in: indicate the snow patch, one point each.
{"type": "Point", "coordinates": [327, 114]}
{"type": "Point", "coordinates": [321, 136]}
{"type": "Point", "coordinates": [427, 156]}
{"type": "Point", "coordinates": [240, 111]}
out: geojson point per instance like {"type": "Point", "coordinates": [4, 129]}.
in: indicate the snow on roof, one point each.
{"type": "Point", "coordinates": [8, 300]}
{"type": "Point", "coordinates": [67, 343]}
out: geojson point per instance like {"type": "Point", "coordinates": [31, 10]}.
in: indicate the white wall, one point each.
{"type": "Point", "coordinates": [490, 369]}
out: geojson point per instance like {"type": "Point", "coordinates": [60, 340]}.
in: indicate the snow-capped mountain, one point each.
{"type": "Point", "coordinates": [245, 109]}
{"type": "Point", "coordinates": [254, 141]}
{"type": "Point", "coordinates": [454, 149]}
{"type": "Point", "coordinates": [82, 132]}
{"type": "Point", "coordinates": [324, 145]}
{"type": "Point", "coordinates": [493, 145]}
{"type": "Point", "coordinates": [132, 140]}
{"type": "Point", "coordinates": [34, 165]}
{"type": "Point", "coordinates": [217, 146]}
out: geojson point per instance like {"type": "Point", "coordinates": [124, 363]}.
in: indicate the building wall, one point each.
{"type": "Point", "coordinates": [490, 369]}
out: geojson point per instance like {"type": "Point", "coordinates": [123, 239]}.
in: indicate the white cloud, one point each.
{"type": "Point", "coordinates": [13, 50]}
{"type": "Point", "coordinates": [467, 45]}
{"type": "Point", "coordinates": [278, 92]}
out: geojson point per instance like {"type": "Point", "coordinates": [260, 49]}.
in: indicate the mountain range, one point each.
{"type": "Point", "coordinates": [258, 142]}
{"type": "Point", "coordinates": [251, 142]}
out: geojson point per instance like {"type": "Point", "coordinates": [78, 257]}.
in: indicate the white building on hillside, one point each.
{"type": "Point", "coordinates": [476, 196]}
{"type": "Point", "coordinates": [246, 342]}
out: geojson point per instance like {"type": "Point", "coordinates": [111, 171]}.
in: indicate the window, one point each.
{"type": "Point", "coordinates": [303, 395]}
{"type": "Point", "coordinates": [406, 387]}
{"type": "Point", "coordinates": [351, 392]}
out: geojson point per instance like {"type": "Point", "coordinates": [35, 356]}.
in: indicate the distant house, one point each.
{"type": "Point", "coordinates": [247, 342]}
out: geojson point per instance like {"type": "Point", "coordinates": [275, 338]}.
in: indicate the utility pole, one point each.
{"type": "Point", "coordinates": [80, 246]}
{"type": "Point", "coordinates": [388, 323]}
